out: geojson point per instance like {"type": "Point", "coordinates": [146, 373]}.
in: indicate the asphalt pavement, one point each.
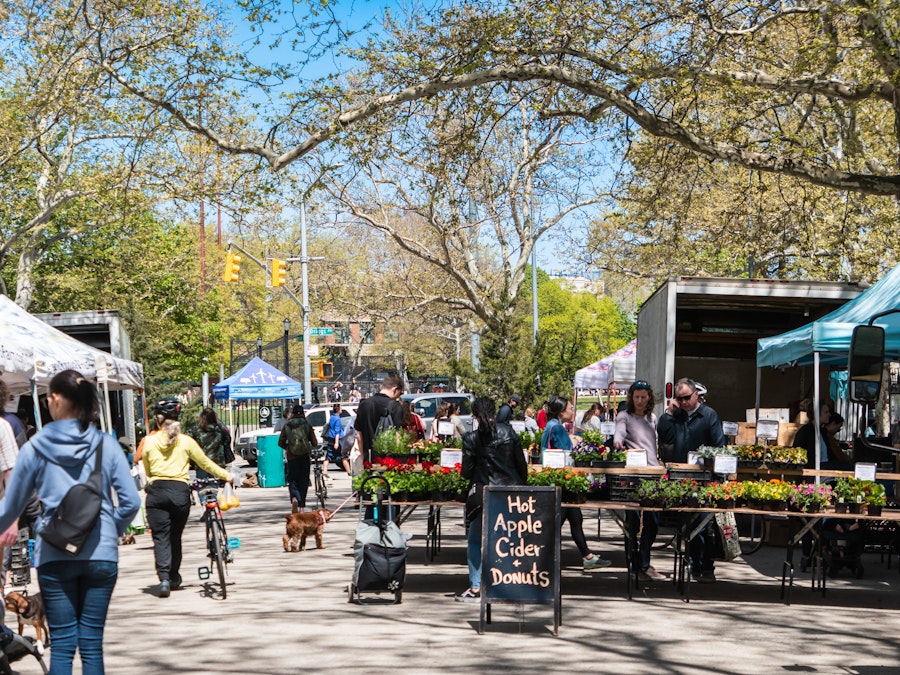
{"type": "Point", "coordinates": [288, 612]}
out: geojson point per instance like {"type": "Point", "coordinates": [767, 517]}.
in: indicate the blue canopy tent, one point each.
{"type": "Point", "coordinates": [257, 380]}
{"type": "Point", "coordinates": [826, 341]}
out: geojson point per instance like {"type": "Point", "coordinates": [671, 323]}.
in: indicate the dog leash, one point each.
{"type": "Point", "coordinates": [343, 504]}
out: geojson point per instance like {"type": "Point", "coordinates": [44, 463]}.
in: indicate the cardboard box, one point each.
{"type": "Point", "coordinates": [777, 414]}
{"type": "Point", "coordinates": [747, 433]}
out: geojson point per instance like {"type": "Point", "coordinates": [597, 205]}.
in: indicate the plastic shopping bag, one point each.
{"type": "Point", "coordinates": [227, 498]}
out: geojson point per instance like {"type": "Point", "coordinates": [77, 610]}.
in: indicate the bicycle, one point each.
{"type": "Point", "coordinates": [320, 488]}
{"type": "Point", "coordinates": [216, 538]}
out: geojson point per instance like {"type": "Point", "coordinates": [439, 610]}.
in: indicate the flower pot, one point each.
{"type": "Point", "coordinates": [754, 504]}
{"type": "Point", "coordinates": [603, 464]}
{"type": "Point", "coordinates": [775, 505]}
{"type": "Point", "coordinates": [840, 507]}
{"type": "Point", "coordinates": [854, 508]}
{"type": "Point", "coordinates": [875, 510]}
{"type": "Point", "coordinates": [570, 497]}
{"type": "Point", "coordinates": [725, 503]}
{"type": "Point", "coordinates": [648, 502]}
{"type": "Point", "coordinates": [401, 496]}
{"type": "Point", "coordinates": [582, 463]}
{"type": "Point", "coordinates": [813, 508]}
{"type": "Point", "coordinates": [692, 502]}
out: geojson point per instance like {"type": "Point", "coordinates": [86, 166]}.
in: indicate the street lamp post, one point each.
{"type": "Point", "coordinates": [259, 347]}
{"type": "Point", "coordinates": [286, 324]}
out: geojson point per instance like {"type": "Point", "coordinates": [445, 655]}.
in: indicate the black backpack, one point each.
{"type": "Point", "coordinates": [76, 516]}
{"type": "Point", "coordinates": [385, 422]}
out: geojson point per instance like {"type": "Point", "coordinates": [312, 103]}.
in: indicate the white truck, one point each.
{"type": "Point", "coordinates": [104, 330]}
{"type": "Point", "coordinates": [706, 329]}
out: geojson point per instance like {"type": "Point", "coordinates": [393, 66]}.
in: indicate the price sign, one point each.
{"type": "Point", "coordinates": [767, 429]}
{"type": "Point", "coordinates": [607, 428]}
{"type": "Point", "coordinates": [865, 471]}
{"type": "Point", "coordinates": [451, 458]}
{"type": "Point", "coordinates": [445, 428]}
{"type": "Point", "coordinates": [636, 458]}
{"type": "Point", "coordinates": [725, 464]}
{"type": "Point", "coordinates": [694, 459]}
{"type": "Point", "coordinates": [555, 459]}
{"type": "Point", "coordinates": [730, 428]}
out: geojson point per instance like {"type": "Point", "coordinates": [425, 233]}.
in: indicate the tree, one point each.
{"type": "Point", "coordinates": [809, 91]}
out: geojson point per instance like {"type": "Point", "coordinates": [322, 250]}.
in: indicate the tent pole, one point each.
{"type": "Point", "coordinates": [758, 387]}
{"type": "Point", "coordinates": [109, 426]}
{"type": "Point", "coordinates": [814, 415]}
{"type": "Point", "coordinates": [37, 407]}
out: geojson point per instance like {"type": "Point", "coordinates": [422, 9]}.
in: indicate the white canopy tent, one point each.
{"type": "Point", "coordinates": [32, 352]}
{"type": "Point", "coordinates": [617, 368]}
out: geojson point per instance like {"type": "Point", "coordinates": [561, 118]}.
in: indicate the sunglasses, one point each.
{"type": "Point", "coordinates": [685, 398]}
{"type": "Point", "coordinates": [642, 384]}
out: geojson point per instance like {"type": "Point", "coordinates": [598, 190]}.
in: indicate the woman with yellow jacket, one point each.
{"type": "Point", "coordinates": [166, 458]}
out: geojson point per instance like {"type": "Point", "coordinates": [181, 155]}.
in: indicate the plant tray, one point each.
{"type": "Point", "coordinates": [623, 488]}
{"type": "Point", "coordinates": [702, 477]}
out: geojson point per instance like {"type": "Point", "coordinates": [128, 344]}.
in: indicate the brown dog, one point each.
{"type": "Point", "coordinates": [29, 609]}
{"type": "Point", "coordinates": [301, 525]}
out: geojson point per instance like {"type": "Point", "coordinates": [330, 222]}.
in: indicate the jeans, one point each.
{"type": "Point", "coordinates": [298, 479]}
{"type": "Point", "coordinates": [473, 552]}
{"type": "Point", "coordinates": [168, 507]}
{"type": "Point", "coordinates": [76, 597]}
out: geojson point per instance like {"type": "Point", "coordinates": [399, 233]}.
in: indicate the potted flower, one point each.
{"type": "Point", "coordinates": [586, 452]}
{"type": "Point", "coordinates": [427, 450]}
{"type": "Point", "coordinates": [723, 495]}
{"type": "Point", "coordinates": [613, 457]}
{"type": "Point", "coordinates": [787, 457]}
{"type": "Point", "coordinates": [574, 485]}
{"type": "Point", "coordinates": [849, 495]}
{"type": "Point", "coordinates": [751, 455]}
{"type": "Point", "coordinates": [876, 498]}
{"type": "Point", "coordinates": [708, 454]}
{"type": "Point", "coordinates": [810, 498]}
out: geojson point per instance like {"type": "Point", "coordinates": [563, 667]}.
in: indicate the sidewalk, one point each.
{"type": "Point", "coordinates": [288, 612]}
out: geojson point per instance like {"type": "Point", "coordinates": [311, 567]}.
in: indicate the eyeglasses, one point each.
{"type": "Point", "coordinates": [685, 398]}
{"type": "Point", "coordinates": [642, 384]}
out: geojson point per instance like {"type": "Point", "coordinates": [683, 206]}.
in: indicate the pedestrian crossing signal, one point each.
{"type": "Point", "coordinates": [326, 370]}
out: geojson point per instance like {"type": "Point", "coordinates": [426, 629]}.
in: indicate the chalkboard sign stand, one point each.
{"type": "Point", "coordinates": [520, 549]}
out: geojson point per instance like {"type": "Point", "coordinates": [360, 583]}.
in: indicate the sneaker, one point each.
{"type": "Point", "coordinates": [595, 563]}
{"type": "Point", "coordinates": [650, 574]}
{"type": "Point", "coordinates": [164, 588]}
{"type": "Point", "coordinates": [469, 595]}
{"type": "Point", "coordinates": [707, 578]}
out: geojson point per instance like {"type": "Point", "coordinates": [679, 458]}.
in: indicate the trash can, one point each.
{"type": "Point", "coordinates": [269, 461]}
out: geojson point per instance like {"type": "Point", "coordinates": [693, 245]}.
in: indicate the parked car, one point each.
{"type": "Point", "coordinates": [425, 406]}
{"type": "Point", "coordinates": [318, 415]}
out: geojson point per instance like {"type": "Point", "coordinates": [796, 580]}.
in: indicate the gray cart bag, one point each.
{"type": "Point", "coordinates": [380, 548]}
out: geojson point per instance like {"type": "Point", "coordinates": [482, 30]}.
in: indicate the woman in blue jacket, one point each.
{"type": "Point", "coordinates": [76, 588]}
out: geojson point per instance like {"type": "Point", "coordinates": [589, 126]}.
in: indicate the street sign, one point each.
{"type": "Point", "coordinates": [321, 331]}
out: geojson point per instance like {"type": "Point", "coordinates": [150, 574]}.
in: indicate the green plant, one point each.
{"type": "Point", "coordinates": [810, 497]}
{"type": "Point", "coordinates": [710, 452]}
{"type": "Point", "coordinates": [567, 479]}
{"type": "Point", "coordinates": [428, 451]}
{"type": "Point", "coordinates": [587, 451]}
{"type": "Point", "coordinates": [394, 441]}
{"type": "Point", "coordinates": [876, 495]}
{"type": "Point", "coordinates": [593, 437]}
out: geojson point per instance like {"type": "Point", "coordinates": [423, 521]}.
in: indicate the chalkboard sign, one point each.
{"type": "Point", "coordinates": [520, 548]}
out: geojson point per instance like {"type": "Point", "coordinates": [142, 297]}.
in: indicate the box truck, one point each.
{"type": "Point", "coordinates": [706, 329]}
{"type": "Point", "coordinates": [104, 330]}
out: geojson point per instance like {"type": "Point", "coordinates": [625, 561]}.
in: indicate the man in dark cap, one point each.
{"type": "Point", "coordinates": [505, 414]}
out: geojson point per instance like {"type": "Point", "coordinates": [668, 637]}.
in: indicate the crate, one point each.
{"type": "Point", "coordinates": [623, 488]}
{"type": "Point", "coordinates": [20, 560]}
{"type": "Point", "coordinates": [702, 477]}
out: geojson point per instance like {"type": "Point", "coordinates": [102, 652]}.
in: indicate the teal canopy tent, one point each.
{"type": "Point", "coordinates": [829, 336]}
{"type": "Point", "coordinates": [826, 341]}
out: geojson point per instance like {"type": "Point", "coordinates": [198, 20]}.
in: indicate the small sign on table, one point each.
{"type": "Point", "coordinates": [767, 429]}
{"type": "Point", "coordinates": [451, 458]}
{"type": "Point", "coordinates": [636, 458]}
{"type": "Point", "coordinates": [730, 428]}
{"type": "Point", "coordinates": [608, 428]}
{"type": "Point", "coordinates": [865, 471]}
{"type": "Point", "coordinates": [725, 464]}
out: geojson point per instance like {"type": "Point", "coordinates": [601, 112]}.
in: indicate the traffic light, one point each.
{"type": "Point", "coordinates": [279, 272]}
{"type": "Point", "coordinates": [232, 267]}
{"type": "Point", "coordinates": [326, 370]}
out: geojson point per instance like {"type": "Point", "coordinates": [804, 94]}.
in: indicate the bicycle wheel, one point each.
{"type": "Point", "coordinates": [751, 531]}
{"type": "Point", "coordinates": [218, 549]}
{"type": "Point", "coordinates": [321, 489]}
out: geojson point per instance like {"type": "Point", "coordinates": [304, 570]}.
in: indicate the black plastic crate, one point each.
{"type": "Point", "coordinates": [702, 477]}
{"type": "Point", "coordinates": [623, 488]}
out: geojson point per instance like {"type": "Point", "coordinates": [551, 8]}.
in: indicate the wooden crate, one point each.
{"type": "Point", "coordinates": [747, 433]}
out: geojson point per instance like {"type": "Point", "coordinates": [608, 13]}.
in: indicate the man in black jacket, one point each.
{"type": "Point", "coordinates": [689, 425]}
{"type": "Point", "coordinates": [505, 414]}
{"type": "Point", "coordinates": [371, 410]}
